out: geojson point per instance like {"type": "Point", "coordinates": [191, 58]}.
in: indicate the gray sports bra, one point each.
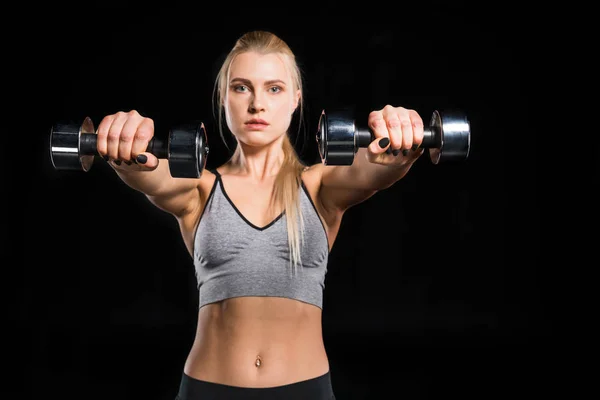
{"type": "Point", "coordinates": [233, 257]}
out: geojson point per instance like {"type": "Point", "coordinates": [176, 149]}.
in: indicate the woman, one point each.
{"type": "Point", "coordinates": [260, 226]}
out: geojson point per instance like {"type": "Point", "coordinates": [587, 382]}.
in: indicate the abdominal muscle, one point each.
{"type": "Point", "coordinates": [257, 342]}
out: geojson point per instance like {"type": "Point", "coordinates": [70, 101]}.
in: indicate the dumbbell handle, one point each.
{"type": "Point", "coordinates": [89, 146]}
{"type": "Point", "coordinates": [365, 137]}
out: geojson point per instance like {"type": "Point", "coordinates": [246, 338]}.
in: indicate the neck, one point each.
{"type": "Point", "coordinates": [258, 163]}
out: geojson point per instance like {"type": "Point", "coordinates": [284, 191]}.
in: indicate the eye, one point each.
{"type": "Point", "coordinates": [240, 88]}
{"type": "Point", "coordinates": [275, 89]}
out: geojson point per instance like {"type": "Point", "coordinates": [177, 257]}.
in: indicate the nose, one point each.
{"type": "Point", "coordinates": [256, 103]}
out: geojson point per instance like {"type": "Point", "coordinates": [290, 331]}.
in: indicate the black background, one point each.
{"type": "Point", "coordinates": [433, 288]}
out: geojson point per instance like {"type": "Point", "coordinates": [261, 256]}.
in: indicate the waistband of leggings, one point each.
{"type": "Point", "coordinates": [315, 388]}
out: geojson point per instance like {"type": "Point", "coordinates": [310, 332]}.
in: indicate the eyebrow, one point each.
{"type": "Point", "coordinates": [247, 82]}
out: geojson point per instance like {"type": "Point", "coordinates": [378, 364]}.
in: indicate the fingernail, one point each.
{"type": "Point", "coordinates": [414, 147]}
{"type": "Point", "coordinates": [127, 162]}
{"type": "Point", "coordinates": [383, 142]}
{"type": "Point", "coordinates": [106, 158]}
{"type": "Point", "coordinates": [396, 152]}
{"type": "Point", "coordinates": [118, 162]}
{"type": "Point", "coordinates": [404, 152]}
{"type": "Point", "coordinates": [142, 158]}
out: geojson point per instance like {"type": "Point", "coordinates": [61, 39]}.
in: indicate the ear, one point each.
{"type": "Point", "coordinates": [297, 97]}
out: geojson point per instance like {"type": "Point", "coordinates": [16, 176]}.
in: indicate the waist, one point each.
{"type": "Point", "coordinates": [257, 342]}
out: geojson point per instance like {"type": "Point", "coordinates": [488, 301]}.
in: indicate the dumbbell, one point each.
{"type": "Point", "coordinates": [448, 137]}
{"type": "Point", "coordinates": [73, 146]}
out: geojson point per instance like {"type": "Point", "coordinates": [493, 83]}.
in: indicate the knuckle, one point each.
{"type": "Point", "coordinates": [133, 113]}
{"type": "Point", "coordinates": [113, 134]}
{"type": "Point", "coordinates": [394, 122]}
{"type": "Point", "coordinates": [376, 121]}
{"type": "Point", "coordinates": [405, 122]}
{"type": "Point", "coordinates": [145, 132]}
{"type": "Point", "coordinates": [125, 138]}
{"type": "Point", "coordinates": [374, 115]}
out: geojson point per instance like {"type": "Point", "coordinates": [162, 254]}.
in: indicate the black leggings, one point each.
{"type": "Point", "coordinates": [318, 388]}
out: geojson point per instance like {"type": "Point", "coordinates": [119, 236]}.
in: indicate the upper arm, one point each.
{"type": "Point", "coordinates": [343, 186]}
{"type": "Point", "coordinates": [179, 199]}
{"type": "Point", "coordinates": [180, 196]}
{"type": "Point", "coordinates": [339, 189]}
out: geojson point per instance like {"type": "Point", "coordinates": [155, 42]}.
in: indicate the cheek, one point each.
{"type": "Point", "coordinates": [233, 110]}
{"type": "Point", "coordinates": [285, 109]}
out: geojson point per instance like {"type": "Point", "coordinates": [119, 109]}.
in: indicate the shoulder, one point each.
{"type": "Point", "coordinates": [207, 182]}
{"type": "Point", "coordinates": [312, 176]}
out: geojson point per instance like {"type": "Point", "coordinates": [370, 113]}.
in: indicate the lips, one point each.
{"type": "Point", "coordinates": [256, 121]}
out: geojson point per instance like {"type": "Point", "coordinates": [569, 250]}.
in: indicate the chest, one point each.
{"type": "Point", "coordinates": [252, 201]}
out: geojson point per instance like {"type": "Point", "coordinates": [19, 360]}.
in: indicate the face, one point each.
{"type": "Point", "coordinates": [260, 98]}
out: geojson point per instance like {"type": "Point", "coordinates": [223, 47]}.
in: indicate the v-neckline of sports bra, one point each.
{"type": "Point", "coordinates": [237, 210]}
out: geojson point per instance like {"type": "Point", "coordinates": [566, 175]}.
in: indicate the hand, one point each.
{"type": "Point", "coordinates": [123, 138]}
{"type": "Point", "coordinates": [398, 129]}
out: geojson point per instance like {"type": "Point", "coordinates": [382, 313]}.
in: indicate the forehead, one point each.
{"type": "Point", "coordinates": [255, 66]}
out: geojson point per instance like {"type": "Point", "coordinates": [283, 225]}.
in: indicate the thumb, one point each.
{"type": "Point", "coordinates": [147, 160]}
{"type": "Point", "coordinates": [379, 146]}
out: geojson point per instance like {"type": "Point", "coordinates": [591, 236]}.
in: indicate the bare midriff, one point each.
{"type": "Point", "coordinates": [258, 342]}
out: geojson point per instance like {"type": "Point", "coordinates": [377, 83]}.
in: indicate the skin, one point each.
{"type": "Point", "coordinates": [284, 334]}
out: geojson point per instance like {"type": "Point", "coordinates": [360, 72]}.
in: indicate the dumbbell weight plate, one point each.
{"type": "Point", "coordinates": [64, 145]}
{"type": "Point", "coordinates": [451, 130]}
{"type": "Point", "coordinates": [184, 163]}
{"type": "Point", "coordinates": [336, 138]}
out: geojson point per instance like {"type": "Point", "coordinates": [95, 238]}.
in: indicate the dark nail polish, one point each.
{"type": "Point", "coordinates": [414, 147]}
{"type": "Point", "coordinates": [118, 162]}
{"type": "Point", "coordinates": [106, 158]}
{"type": "Point", "coordinates": [396, 152]}
{"type": "Point", "coordinates": [142, 158]}
{"type": "Point", "coordinates": [127, 162]}
{"type": "Point", "coordinates": [404, 152]}
{"type": "Point", "coordinates": [383, 142]}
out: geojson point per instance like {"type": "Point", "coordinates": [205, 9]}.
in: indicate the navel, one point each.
{"type": "Point", "coordinates": [258, 362]}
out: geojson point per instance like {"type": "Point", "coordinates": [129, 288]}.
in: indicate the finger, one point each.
{"type": "Point", "coordinates": [418, 130]}
{"type": "Point", "coordinates": [377, 147]}
{"type": "Point", "coordinates": [102, 134]}
{"type": "Point", "coordinates": [145, 132]}
{"type": "Point", "coordinates": [377, 125]}
{"type": "Point", "coordinates": [147, 160]}
{"type": "Point", "coordinates": [128, 133]}
{"type": "Point", "coordinates": [404, 115]}
{"type": "Point", "coordinates": [114, 135]}
{"type": "Point", "coordinates": [393, 120]}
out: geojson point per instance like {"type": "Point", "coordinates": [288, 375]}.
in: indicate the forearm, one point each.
{"type": "Point", "coordinates": [365, 175]}
{"type": "Point", "coordinates": [151, 183]}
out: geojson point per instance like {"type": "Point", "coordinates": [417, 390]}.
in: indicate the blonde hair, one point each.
{"type": "Point", "coordinates": [288, 179]}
